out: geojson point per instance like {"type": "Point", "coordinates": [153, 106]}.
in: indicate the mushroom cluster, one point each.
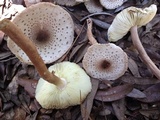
{"type": "Point", "coordinates": [50, 28]}
{"type": "Point", "coordinates": [131, 19]}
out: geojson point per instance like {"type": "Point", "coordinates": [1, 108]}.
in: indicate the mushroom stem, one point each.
{"type": "Point", "coordinates": [29, 48]}
{"type": "Point", "coordinates": [92, 40]}
{"type": "Point", "coordinates": [146, 59]}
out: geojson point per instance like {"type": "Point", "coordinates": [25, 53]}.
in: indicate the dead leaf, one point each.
{"type": "Point", "coordinates": [29, 85]}
{"type": "Point", "coordinates": [133, 67]}
{"type": "Point", "coordinates": [86, 106]}
{"type": "Point", "coordinates": [20, 114]}
{"type": "Point", "coordinates": [152, 94]}
{"type": "Point", "coordinates": [100, 23]}
{"type": "Point", "coordinates": [139, 81]}
{"type": "Point", "coordinates": [149, 113]}
{"type": "Point", "coordinates": [135, 93]}
{"type": "Point", "coordinates": [114, 93]}
{"type": "Point", "coordinates": [119, 109]}
{"type": "Point", "coordinates": [13, 86]}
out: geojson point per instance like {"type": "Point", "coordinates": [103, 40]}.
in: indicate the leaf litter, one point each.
{"type": "Point", "coordinates": [135, 95]}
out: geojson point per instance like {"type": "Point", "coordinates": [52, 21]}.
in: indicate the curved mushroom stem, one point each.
{"type": "Point", "coordinates": [29, 48]}
{"type": "Point", "coordinates": [92, 40]}
{"type": "Point", "coordinates": [146, 59]}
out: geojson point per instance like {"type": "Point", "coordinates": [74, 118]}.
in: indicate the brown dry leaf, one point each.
{"type": "Point", "coordinates": [86, 106]}
{"type": "Point", "coordinates": [133, 67]}
{"type": "Point", "coordinates": [7, 106]}
{"type": "Point", "coordinates": [114, 93]}
{"type": "Point", "coordinates": [100, 23]}
{"type": "Point", "coordinates": [20, 114]}
{"type": "Point", "coordinates": [152, 94]}
{"type": "Point", "coordinates": [24, 103]}
{"type": "Point", "coordinates": [139, 81]}
{"type": "Point", "coordinates": [135, 93]}
{"type": "Point", "coordinates": [33, 116]}
{"type": "Point", "coordinates": [80, 53]}
{"type": "Point", "coordinates": [150, 113]}
{"type": "Point", "coordinates": [13, 86]}
{"type": "Point", "coordinates": [29, 85]}
{"type": "Point", "coordinates": [119, 109]}
{"type": "Point", "coordinates": [8, 115]}
{"type": "Point", "coordinates": [74, 50]}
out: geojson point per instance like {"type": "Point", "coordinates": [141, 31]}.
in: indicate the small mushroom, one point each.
{"type": "Point", "coordinates": [111, 4]}
{"type": "Point", "coordinates": [50, 28]}
{"type": "Point", "coordinates": [104, 61]}
{"type": "Point", "coordinates": [64, 84]}
{"type": "Point", "coordinates": [93, 6]}
{"type": "Point", "coordinates": [131, 19]}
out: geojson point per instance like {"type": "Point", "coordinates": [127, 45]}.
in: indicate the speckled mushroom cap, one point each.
{"type": "Point", "coordinates": [77, 88]}
{"type": "Point", "coordinates": [66, 2]}
{"type": "Point", "coordinates": [93, 6]}
{"type": "Point", "coordinates": [105, 61]}
{"type": "Point", "coordinates": [111, 4]}
{"type": "Point", "coordinates": [128, 18]}
{"type": "Point", "coordinates": [50, 28]}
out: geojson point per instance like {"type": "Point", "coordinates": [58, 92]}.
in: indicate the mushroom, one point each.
{"type": "Point", "coordinates": [64, 84]}
{"type": "Point", "coordinates": [31, 2]}
{"type": "Point", "coordinates": [104, 61]}
{"type": "Point", "coordinates": [76, 90]}
{"type": "Point", "coordinates": [50, 28]}
{"type": "Point", "coordinates": [66, 2]}
{"type": "Point", "coordinates": [93, 6]}
{"type": "Point", "coordinates": [131, 19]}
{"type": "Point", "coordinates": [111, 4]}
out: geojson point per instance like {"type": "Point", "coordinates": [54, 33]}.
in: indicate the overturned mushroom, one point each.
{"type": "Point", "coordinates": [49, 27]}
{"type": "Point", "coordinates": [104, 61]}
{"type": "Point", "coordinates": [111, 4]}
{"type": "Point", "coordinates": [130, 19]}
{"type": "Point", "coordinates": [77, 87]}
{"type": "Point", "coordinates": [70, 84]}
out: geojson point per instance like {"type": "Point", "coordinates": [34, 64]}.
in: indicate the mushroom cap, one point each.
{"type": "Point", "coordinates": [112, 4]}
{"type": "Point", "coordinates": [49, 27]}
{"type": "Point", "coordinates": [78, 87]}
{"type": "Point", "coordinates": [105, 61]}
{"type": "Point", "coordinates": [128, 18]}
{"type": "Point", "coordinates": [93, 6]}
{"type": "Point", "coordinates": [66, 2]}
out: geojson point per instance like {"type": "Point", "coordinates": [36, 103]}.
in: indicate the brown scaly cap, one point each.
{"type": "Point", "coordinates": [49, 27]}
{"type": "Point", "coordinates": [105, 61]}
